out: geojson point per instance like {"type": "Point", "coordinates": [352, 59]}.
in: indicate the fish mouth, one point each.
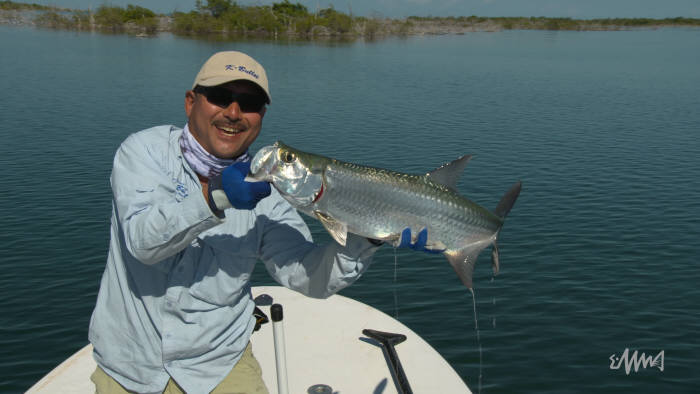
{"type": "Point", "coordinates": [263, 164]}
{"type": "Point", "coordinates": [296, 183]}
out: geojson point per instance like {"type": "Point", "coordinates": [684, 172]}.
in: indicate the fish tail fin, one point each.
{"type": "Point", "coordinates": [504, 206]}
{"type": "Point", "coordinates": [463, 260]}
{"type": "Point", "coordinates": [508, 200]}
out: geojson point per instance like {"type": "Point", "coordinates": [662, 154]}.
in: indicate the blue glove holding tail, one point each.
{"type": "Point", "coordinates": [419, 245]}
{"type": "Point", "coordinates": [229, 189]}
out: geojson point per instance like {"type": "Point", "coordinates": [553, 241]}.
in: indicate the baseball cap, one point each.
{"type": "Point", "coordinates": [223, 67]}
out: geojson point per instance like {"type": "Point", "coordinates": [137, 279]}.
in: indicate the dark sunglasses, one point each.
{"type": "Point", "coordinates": [222, 97]}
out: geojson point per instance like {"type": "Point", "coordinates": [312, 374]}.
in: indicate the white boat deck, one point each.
{"type": "Point", "coordinates": [324, 345]}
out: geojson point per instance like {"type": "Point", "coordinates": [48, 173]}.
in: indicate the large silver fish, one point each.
{"type": "Point", "coordinates": [379, 204]}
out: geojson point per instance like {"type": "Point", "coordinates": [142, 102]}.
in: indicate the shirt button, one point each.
{"type": "Point", "coordinates": [169, 304]}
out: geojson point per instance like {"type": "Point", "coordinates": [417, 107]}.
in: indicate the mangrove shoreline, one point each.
{"type": "Point", "coordinates": [221, 19]}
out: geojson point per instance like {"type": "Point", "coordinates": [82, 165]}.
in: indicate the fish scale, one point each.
{"type": "Point", "coordinates": [379, 204]}
{"type": "Point", "coordinates": [408, 202]}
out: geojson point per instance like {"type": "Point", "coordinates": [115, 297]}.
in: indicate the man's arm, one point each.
{"type": "Point", "coordinates": [158, 215]}
{"type": "Point", "coordinates": [292, 258]}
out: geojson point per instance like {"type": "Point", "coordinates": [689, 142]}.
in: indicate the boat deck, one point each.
{"type": "Point", "coordinates": [324, 345]}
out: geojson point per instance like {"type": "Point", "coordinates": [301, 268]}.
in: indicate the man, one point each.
{"type": "Point", "coordinates": [174, 310]}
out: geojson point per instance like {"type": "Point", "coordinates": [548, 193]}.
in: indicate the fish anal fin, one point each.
{"type": "Point", "coordinates": [338, 230]}
{"type": "Point", "coordinates": [448, 174]}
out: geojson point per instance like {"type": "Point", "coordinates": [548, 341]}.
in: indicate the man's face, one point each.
{"type": "Point", "coordinates": [224, 131]}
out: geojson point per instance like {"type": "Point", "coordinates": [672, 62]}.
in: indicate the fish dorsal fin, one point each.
{"type": "Point", "coordinates": [337, 230]}
{"type": "Point", "coordinates": [448, 174]}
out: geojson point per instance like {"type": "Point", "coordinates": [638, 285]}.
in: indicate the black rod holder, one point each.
{"type": "Point", "coordinates": [388, 340]}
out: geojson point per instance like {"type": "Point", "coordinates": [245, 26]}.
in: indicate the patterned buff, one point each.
{"type": "Point", "coordinates": [201, 161]}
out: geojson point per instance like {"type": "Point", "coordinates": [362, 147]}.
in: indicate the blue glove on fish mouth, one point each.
{"type": "Point", "coordinates": [229, 189]}
{"type": "Point", "coordinates": [419, 245]}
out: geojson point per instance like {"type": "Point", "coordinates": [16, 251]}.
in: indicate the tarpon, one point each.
{"type": "Point", "coordinates": [378, 203]}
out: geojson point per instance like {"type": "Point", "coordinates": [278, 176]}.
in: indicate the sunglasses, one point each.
{"type": "Point", "coordinates": [222, 97]}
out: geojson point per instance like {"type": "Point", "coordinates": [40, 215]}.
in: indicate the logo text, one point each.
{"type": "Point", "coordinates": [636, 361]}
{"type": "Point", "coordinates": [231, 67]}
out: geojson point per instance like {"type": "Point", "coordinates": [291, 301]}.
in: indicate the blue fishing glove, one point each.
{"type": "Point", "coordinates": [229, 189]}
{"type": "Point", "coordinates": [419, 245]}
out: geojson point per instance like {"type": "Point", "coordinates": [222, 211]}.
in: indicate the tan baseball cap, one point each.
{"type": "Point", "coordinates": [223, 67]}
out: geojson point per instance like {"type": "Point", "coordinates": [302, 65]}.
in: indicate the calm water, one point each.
{"type": "Point", "coordinates": [599, 254]}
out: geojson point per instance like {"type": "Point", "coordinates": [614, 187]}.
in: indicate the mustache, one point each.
{"type": "Point", "coordinates": [231, 125]}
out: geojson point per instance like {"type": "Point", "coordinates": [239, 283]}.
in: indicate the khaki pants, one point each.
{"type": "Point", "coordinates": [244, 378]}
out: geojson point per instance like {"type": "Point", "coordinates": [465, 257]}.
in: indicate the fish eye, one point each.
{"type": "Point", "coordinates": [288, 157]}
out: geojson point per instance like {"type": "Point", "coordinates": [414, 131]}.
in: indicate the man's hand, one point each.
{"type": "Point", "coordinates": [419, 245]}
{"type": "Point", "coordinates": [231, 190]}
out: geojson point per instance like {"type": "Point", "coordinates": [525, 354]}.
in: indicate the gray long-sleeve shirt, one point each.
{"type": "Point", "coordinates": [175, 298]}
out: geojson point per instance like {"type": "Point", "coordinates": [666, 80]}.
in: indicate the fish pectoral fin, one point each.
{"type": "Point", "coordinates": [338, 230]}
{"type": "Point", "coordinates": [463, 262]}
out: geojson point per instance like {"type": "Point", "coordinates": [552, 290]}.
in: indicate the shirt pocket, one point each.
{"type": "Point", "coordinates": [224, 270]}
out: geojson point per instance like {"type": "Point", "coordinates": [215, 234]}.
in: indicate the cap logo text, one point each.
{"type": "Point", "coordinates": [231, 67]}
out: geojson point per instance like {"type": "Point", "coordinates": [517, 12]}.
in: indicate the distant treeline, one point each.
{"type": "Point", "coordinates": [545, 23]}
{"type": "Point", "coordinates": [285, 18]}
{"type": "Point", "coordinates": [106, 18]}
{"type": "Point", "coordinates": [228, 18]}
{"type": "Point", "coordinates": [11, 5]}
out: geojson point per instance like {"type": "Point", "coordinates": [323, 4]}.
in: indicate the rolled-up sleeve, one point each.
{"type": "Point", "coordinates": [160, 214]}
{"type": "Point", "coordinates": [294, 261]}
